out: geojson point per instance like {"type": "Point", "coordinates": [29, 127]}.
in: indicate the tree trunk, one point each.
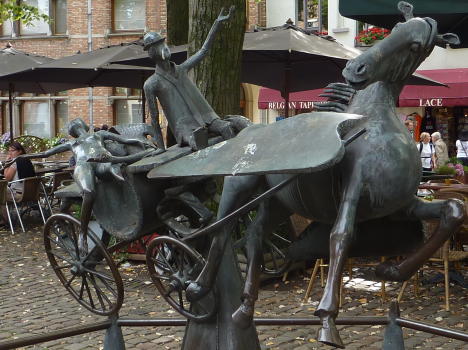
{"type": "Point", "coordinates": [177, 22]}
{"type": "Point", "coordinates": [218, 76]}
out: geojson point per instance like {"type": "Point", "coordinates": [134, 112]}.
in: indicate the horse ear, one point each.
{"type": "Point", "coordinates": [448, 38]}
{"type": "Point", "coordinates": [406, 9]}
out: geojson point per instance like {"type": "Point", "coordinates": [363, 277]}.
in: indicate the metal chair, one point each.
{"type": "Point", "coordinates": [31, 195]}
{"type": "Point", "coordinates": [3, 201]}
{"type": "Point", "coordinates": [53, 182]}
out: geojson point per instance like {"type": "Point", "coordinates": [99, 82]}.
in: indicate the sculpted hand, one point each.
{"type": "Point", "coordinates": [222, 18]}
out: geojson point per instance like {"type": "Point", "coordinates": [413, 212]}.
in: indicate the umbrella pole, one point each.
{"type": "Point", "coordinates": [143, 103]}
{"type": "Point", "coordinates": [10, 107]}
{"type": "Point", "coordinates": [285, 93]}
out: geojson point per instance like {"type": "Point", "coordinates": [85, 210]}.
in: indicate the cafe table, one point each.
{"type": "Point", "coordinates": [463, 188]}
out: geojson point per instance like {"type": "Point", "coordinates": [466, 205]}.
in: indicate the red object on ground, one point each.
{"type": "Point", "coordinates": [138, 246]}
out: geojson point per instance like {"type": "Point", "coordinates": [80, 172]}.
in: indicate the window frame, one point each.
{"type": "Point", "coordinates": [134, 30]}
{"type": "Point", "coordinates": [16, 30]}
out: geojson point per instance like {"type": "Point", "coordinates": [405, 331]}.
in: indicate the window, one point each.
{"type": "Point", "coordinates": [38, 26]}
{"type": "Point", "coordinates": [128, 111]}
{"type": "Point", "coordinates": [61, 117]}
{"type": "Point", "coordinates": [36, 118]}
{"type": "Point", "coordinates": [59, 16]}
{"type": "Point", "coordinates": [55, 9]}
{"type": "Point", "coordinates": [129, 15]}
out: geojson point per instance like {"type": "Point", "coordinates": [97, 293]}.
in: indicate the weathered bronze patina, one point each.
{"type": "Point", "coordinates": [189, 115]}
{"type": "Point", "coordinates": [86, 146]}
{"type": "Point", "coordinates": [377, 178]}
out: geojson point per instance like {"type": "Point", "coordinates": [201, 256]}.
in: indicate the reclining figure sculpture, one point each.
{"type": "Point", "coordinates": [86, 147]}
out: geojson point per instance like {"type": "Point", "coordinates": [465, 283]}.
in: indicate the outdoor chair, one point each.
{"type": "Point", "coordinates": [451, 252]}
{"type": "Point", "coordinates": [29, 199]}
{"type": "Point", "coordinates": [52, 183]}
{"type": "Point", "coordinates": [320, 265]}
{"type": "Point", "coordinates": [3, 201]}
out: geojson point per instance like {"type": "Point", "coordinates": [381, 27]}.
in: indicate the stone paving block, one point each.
{"type": "Point", "coordinates": [35, 302]}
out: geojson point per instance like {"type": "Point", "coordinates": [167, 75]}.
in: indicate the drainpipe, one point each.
{"type": "Point", "coordinates": [90, 48]}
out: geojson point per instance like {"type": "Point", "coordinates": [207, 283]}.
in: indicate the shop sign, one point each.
{"type": "Point", "coordinates": [292, 105]}
{"type": "Point", "coordinates": [430, 102]}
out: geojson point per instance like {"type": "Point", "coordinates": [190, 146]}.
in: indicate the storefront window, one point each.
{"type": "Point", "coordinates": [36, 118]}
{"type": "Point", "coordinates": [128, 111]}
{"type": "Point", "coordinates": [129, 14]}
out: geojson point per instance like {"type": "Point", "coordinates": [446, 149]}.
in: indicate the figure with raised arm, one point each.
{"type": "Point", "coordinates": [86, 148]}
{"type": "Point", "coordinates": [190, 117]}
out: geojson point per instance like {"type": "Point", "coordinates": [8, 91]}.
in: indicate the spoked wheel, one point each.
{"type": "Point", "coordinates": [275, 262]}
{"type": "Point", "coordinates": [172, 266]}
{"type": "Point", "coordinates": [93, 280]}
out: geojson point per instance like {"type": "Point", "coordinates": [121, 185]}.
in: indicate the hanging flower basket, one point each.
{"type": "Point", "coordinates": [371, 35]}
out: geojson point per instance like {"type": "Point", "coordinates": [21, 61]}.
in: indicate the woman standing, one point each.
{"type": "Point", "coordinates": [427, 152]}
{"type": "Point", "coordinates": [462, 147]}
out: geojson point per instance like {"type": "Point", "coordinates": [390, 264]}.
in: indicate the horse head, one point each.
{"type": "Point", "coordinates": [396, 57]}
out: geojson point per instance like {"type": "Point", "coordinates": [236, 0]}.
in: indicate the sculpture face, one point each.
{"type": "Point", "coordinates": [159, 52]}
{"type": "Point", "coordinates": [76, 127]}
{"type": "Point", "coordinates": [397, 56]}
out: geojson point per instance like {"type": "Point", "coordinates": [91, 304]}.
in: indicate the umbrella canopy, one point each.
{"type": "Point", "coordinates": [90, 69]}
{"type": "Point", "coordinates": [14, 61]}
{"type": "Point", "coordinates": [270, 56]}
{"type": "Point", "coordinates": [451, 15]}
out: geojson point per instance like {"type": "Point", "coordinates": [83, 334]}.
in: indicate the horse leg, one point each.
{"type": "Point", "coordinates": [236, 191]}
{"type": "Point", "coordinates": [269, 216]}
{"type": "Point", "coordinates": [451, 213]}
{"type": "Point", "coordinates": [340, 240]}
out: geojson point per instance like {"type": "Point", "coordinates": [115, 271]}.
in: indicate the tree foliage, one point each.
{"type": "Point", "coordinates": [16, 11]}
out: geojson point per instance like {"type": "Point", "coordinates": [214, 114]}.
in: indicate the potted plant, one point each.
{"type": "Point", "coordinates": [371, 35]}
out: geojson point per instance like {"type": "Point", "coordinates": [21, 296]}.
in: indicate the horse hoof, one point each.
{"type": "Point", "coordinates": [329, 335]}
{"type": "Point", "coordinates": [243, 316]}
{"type": "Point", "coordinates": [389, 272]}
{"type": "Point", "coordinates": [195, 292]}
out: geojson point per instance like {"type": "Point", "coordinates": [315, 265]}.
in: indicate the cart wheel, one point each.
{"type": "Point", "coordinates": [275, 262]}
{"type": "Point", "coordinates": [94, 280]}
{"type": "Point", "coordinates": [172, 266]}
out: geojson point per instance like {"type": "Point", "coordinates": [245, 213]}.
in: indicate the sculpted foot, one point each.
{"type": "Point", "coordinates": [390, 272]}
{"type": "Point", "coordinates": [328, 334]}
{"type": "Point", "coordinates": [82, 245]}
{"type": "Point", "coordinates": [243, 316]}
{"type": "Point", "coordinates": [196, 291]}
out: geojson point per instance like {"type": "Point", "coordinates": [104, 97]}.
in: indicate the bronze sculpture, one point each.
{"type": "Point", "coordinates": [377, 178]}
{"type": "Point", "coordinates": [189, 115]}
{"type": "Point", "coordinates": [85, 147]}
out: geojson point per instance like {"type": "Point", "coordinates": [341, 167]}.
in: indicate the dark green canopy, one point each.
{"type": "Point", "coordinates": [451, 15]}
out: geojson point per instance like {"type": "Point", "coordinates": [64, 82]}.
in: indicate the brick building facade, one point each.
{"type": "Point", "coordinates": [113, 22]}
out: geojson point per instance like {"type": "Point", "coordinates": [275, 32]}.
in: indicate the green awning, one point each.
{"type": "Point", "coordinates": [451, 15]}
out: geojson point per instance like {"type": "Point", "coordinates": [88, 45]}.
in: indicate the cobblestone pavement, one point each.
{"type": "Point", "coordinates": [34, 302]}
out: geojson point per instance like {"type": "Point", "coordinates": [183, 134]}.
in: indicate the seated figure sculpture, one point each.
{"type": "Point", "coordinates": [190, 117]}
{"type": "Point", "coordinates": [85, 148]}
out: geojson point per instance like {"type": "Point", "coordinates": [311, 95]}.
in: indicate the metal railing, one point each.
{"type": "Point", "coordinates": [114, 338]}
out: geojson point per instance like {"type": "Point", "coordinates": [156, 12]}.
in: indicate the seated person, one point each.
{"type": "Point", "coordinates": [19, 168]}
